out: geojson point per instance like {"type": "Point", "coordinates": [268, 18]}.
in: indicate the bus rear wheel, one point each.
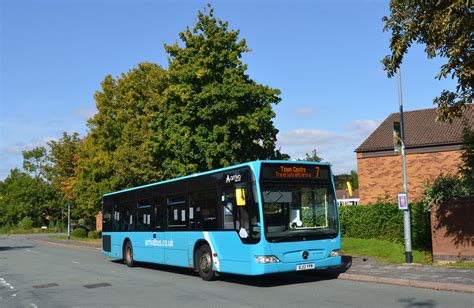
{"type": "Point", "coordinates": [204, 263]}
{"type": "Point", "coordinates": [128, 254]}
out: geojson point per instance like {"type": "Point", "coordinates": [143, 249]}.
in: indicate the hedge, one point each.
{"type": "Point", "coordinates": [94, 234]}
{"type": "Point", "coordinates": [79, 233]}
{"type": "Point", "coordinates": [385, 221]}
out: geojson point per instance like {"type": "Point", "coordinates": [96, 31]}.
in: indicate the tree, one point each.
{"type": "Point", "coordinates": [342, 179]}
{"type": "Point", "coordinates": [445, 28]}
{"type": "Point", "coordinates": [22, 195]}
{"type": "Point", "coordinates": [466, 168]}
{"type": "Point", "coordinates": [152, 124]}
{"type": "Point", "coordinates": [117, 152]}
{"type": "Point", "coordinates": [212, 114]}
{"type": "Point", "coordinates": [312, 157]}
{"type": "Point", "coordinates": [63, 157]}
{"type": "Point", "coordinates": [35, 161]}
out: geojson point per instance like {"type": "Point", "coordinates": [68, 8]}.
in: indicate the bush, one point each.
{"type": "Point", "coordinates": [445, 188]}
{"type": "Point", "coordinates": [385, 222]}
{"type": "Point", "coordinates": [6, 228]}
{"type": "Point", "coordinates": [26, 223]}
{"type": "Point", "coordinates": [79, 233]}
{"type": "Point", "coordinates": [93, 234]}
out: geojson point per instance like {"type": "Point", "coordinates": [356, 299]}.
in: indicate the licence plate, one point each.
{"type": "Point", "coordinates": [303, 267]}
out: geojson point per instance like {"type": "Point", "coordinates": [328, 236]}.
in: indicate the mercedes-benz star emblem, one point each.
{"type": "Point", "coordinates": [305, 255]}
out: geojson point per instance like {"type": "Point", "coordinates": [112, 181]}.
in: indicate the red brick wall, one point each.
{"type": "Point", "coordinates": [381, 176]}
{"type": "Point", "coordinates": [452, 231]}
{"type": "Point", "coordinates": [98, 222]}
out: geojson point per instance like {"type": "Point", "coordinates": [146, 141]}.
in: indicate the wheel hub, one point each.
{"type": "Point", "coordinates": [205, 263]}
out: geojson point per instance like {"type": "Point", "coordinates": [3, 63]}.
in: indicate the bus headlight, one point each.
{"type": "Point", "coordinates": [335, 253]}
{"type": "Point", "coordinates": [266, 259]}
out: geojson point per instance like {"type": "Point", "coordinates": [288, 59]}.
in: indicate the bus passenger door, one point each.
{"type": "Point", "coordinates": [235, 213]}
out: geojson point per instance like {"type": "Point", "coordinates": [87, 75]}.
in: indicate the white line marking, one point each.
{"type": "Point", "coordinates": [33, 305]}
{"type": "Point", "coordinates": [75, 262]}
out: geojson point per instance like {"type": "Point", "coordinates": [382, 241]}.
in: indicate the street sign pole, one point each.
{"type": "Point", "coordinates": [406, 213]}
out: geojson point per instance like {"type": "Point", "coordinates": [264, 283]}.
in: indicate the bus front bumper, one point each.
{"type": "Point", "coordinates": [282, 267]}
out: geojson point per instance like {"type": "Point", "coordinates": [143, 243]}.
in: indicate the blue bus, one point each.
{"type": "Point", "coordinates": [254, 218]}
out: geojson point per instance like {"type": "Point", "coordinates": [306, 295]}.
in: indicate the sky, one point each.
{"type": "Point", "coordinates": [324, 56]}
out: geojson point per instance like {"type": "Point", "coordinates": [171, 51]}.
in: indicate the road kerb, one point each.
{"type": "Point", "coordinates": [457, 287]}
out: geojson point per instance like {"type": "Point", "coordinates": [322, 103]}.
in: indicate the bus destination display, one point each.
{"type": "Point", "coordinates": [294, 171]}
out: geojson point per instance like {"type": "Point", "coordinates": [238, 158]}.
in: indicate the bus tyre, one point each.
{"type": "Point", "coordinates": [128, 254]}
{"type": "Point", "coordinates": [204, 263]}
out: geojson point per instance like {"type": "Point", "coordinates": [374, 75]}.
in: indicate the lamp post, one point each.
{"type": "Point", "coordinates": [68, 219]}
{"type": "Point", "coordinates": [406, 212]}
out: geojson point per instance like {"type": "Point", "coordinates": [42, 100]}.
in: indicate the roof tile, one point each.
{"type": "Point", "coordinates": [421, 129]}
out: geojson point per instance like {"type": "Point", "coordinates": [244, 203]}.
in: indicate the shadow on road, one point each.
{"type": "Point", "coordinates": [264, 281]}
{"type": "Point", "coordinates": [413, 302]}
{"type": "Point", "coordinates": [7, 248]}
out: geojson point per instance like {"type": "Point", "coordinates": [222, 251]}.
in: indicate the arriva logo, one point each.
{"type": "Point", "coordinates": [233, 178]}
{"type": "Point", "coordinates": [159, 243]}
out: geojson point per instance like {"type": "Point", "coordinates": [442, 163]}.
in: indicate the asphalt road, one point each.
{"type": "Point", "coordinates": [40, 275]}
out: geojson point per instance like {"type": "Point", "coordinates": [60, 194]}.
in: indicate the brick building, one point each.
{"type": "Point", "coordinates": [431, 148]}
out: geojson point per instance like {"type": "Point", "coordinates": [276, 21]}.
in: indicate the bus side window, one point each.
{"type": "Point", "coordinates": [128, 216]}
{"type": "Point", "coordinates": [159, 215]}
{"type": "Point", "coordinates": [203, 211]}
{"type": "Point", "coordinates": [116, 221]}
{"type": "Point", "coordinates": [159, 209]}
{"type": "Point", "coordinates": [144, 215]}
{"type": "Point", "coordinates": [107, 215]}
{"type": "Point", "coordinates": [228, 208]}
{"type": "Point", "coordinates": [177, 218]}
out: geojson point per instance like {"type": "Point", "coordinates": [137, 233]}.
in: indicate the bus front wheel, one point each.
{"type": "Point", "coordinates": [205, 263]}
{"type": "Point", "coordinates": [128, 254]}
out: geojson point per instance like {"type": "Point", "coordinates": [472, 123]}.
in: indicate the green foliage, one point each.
{"type": "Point", "coordinates": [444, 188]}
{"type": "Point", "coordinates": [94, 234]}
{"type": "Point", "coordinates": [79, 233]}
{"type": "Point", "coordinates": [63, 157]}
{"type": "Point", "coordinates": [35, 161]}
{"type": "Point", "coordinates": [385, 222]}
{"type": "Point", "coordinates": [118, 152]}
{"type": "Point", "coordinates": [24, 196]}
{"type": "Point", "coordinates": [25, 223]}
{"type": "Point", "coordinates": [342, 179]}
{"type": "Point", "coordinates": [466, 168]}
{"type": "Point", "coordinates": [312, 157]}
{"type": "Point", "coordinates": [152, 124]}
{"type": "Point", "coordinates": [213, 115]}
{"type": "Point", "coordinates": [445, 28]}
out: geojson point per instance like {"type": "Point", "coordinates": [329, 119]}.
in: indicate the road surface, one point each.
{"type": "Point", "coordinates": [34, 274]}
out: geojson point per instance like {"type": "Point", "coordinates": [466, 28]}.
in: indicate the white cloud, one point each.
{"type": "Point", "coordinates": [336, 148]}
{"type": "Point", "coordinates": [85, 113]}
{"type": "Point", "coordinates": [304, 111]}
{"type": "Point", "coordinates": [11, 155]}
{"type": "Point", "coordinates": [303, 136]}
{"type": "Point", "coordinates": [362, 127]}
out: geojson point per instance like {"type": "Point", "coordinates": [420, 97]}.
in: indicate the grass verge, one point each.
{"type": "Point", "coordinates": [26, 231]}
{"type": "Point", "coordinates": [457, 264]}
{"type": "Point", "coordinates": [383, 251]}
{"type": "Point", "coordinates": [81, 239]}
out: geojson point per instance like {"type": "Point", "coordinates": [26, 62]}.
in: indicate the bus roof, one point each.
{"type": "Point", "coordinates": [250, 164]}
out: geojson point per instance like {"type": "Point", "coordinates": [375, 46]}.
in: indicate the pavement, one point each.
{"type": "Point", "coordinates": [358, 268]}
{"type": "Point", "coordinates": [446, 278]}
